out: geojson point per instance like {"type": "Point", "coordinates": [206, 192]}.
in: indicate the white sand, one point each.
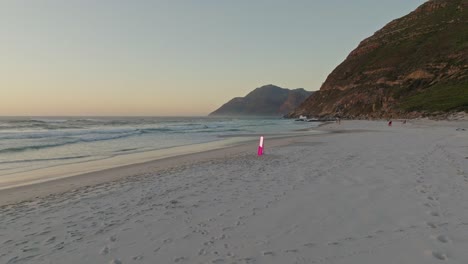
{"type": "Point", "coordinates": [373, 194]}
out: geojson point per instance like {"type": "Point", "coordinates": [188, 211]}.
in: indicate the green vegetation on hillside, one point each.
{"type": "Point", "coordinates": [440, 97]}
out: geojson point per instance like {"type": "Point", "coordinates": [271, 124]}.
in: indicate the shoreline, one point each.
{"type": "Point", "coordinates": [56, 172]}
{"type": "Point", "coordinates": [151, 164]}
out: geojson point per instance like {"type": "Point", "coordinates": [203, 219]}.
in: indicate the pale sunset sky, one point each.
{"type": "Point", "coordinates": [172, 57]}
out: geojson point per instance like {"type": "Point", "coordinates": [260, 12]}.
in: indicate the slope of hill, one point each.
{"type": "Point", "coordinates": [415, 65]}
{"type": "Point", "coordinates": [268, 100]}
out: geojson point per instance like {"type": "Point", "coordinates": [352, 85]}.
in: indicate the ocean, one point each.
{"type": "Point", "coordinates": [28, 144]}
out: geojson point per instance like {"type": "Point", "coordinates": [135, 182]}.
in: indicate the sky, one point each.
{"type": "Point", "coordinates": [172, 57]}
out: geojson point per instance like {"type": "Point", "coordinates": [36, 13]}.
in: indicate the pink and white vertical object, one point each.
{"type": "Point", "coordinates": [260, 147]}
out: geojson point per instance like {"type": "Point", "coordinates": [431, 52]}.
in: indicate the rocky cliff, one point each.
{"type": "Point", "coordinates": [268, 100]}
{"type": "Point", "coordinates": [413, 66]}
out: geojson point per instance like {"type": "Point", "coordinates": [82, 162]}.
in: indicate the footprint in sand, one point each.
{"type": "Point", "coordinates": [434, 213]}
{"type": "Point", "coordinates": [50, 240]}
{"type": "Point", "coordinates": [439, 255]}
{"type": "Point", "coordinates": [179, 259]}
{"type": "Point", "coordinates": [443, 239]}
{"type": "Point", "coordinates": [104, 250]}
{"type": "Point", "coordinates": [248, 260]}
{"type": "Point", "coordinates": [59, 246]}
{"type": "Point", "coordinates": [428, 205]}
{"type": "Point", "coordinates": [13, 259]}
{"type": "Point", "coordinates": [309, 245]}
{"type": "Point", "coordinates": [202, 252]}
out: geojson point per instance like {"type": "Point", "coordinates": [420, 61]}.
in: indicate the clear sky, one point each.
{"type": "Point", "coordinates": [172, 57]}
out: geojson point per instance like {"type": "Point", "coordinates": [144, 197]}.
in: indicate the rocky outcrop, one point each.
{"type": "Point", "coordinates": [414, 65]}
{"type": "Point", "coordinates": [268, 100]}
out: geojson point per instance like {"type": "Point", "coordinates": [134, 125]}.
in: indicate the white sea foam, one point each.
{"type": "Point", "coordinates": [28, 144]}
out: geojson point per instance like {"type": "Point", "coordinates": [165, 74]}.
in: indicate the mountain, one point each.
{"type": "Point", "coordinates": [415, 65]}
{"type": "Point", "coordinates": [268, 100]}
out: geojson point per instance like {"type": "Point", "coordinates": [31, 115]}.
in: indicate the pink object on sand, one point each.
{"type": "Point", "coordinates": [260, 147]}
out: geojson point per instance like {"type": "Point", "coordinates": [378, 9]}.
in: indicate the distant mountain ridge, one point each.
{"type": "Point", "coordinates": [268, 100]}
{"type": "Point", "coordinates": [415, 65]}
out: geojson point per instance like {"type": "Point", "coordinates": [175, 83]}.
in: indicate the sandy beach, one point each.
{"type": "Point", "coordinates": [362, 193]}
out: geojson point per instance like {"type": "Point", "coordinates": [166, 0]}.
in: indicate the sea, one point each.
{"type": "Point", "coordinates": [34, 143]}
